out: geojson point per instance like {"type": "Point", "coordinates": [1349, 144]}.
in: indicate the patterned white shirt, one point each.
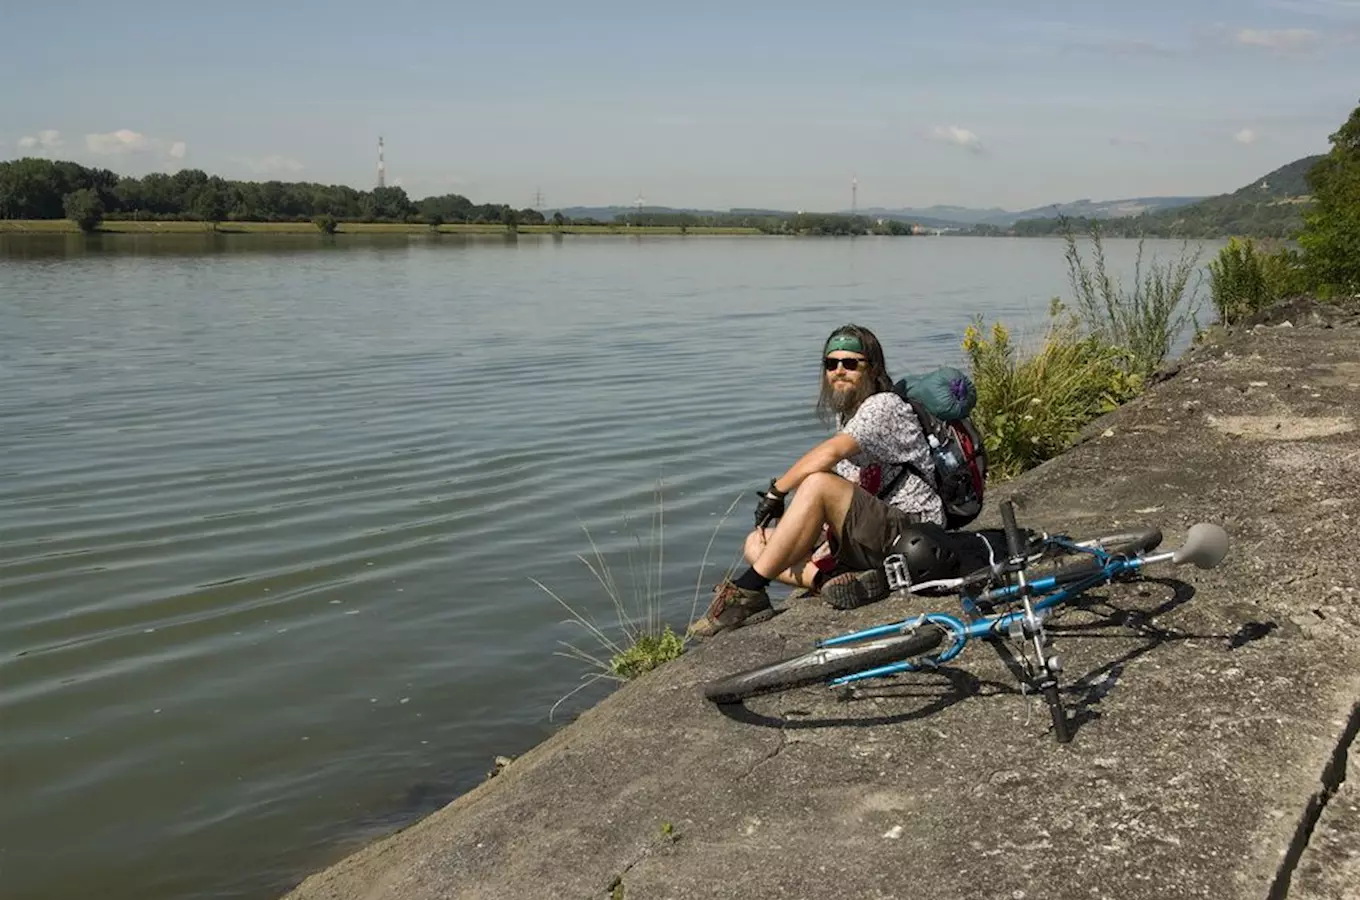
{"type": "Point", "coordinates": [888, 432]}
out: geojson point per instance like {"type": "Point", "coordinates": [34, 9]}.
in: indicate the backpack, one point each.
{"type": "Point", "coordinates": [942, 400]}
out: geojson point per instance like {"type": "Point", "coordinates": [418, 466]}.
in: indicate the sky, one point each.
{"type": "Point", "coordinates": [696, 104]}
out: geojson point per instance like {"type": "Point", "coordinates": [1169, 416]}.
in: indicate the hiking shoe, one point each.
{"type": "Point", "coordinates": [732, 607]}
{"type": "Point", "coordinates": [851, 589]}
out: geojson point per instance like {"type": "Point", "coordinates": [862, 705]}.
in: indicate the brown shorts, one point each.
{"type": "Point", "coordinates": [871, 526]}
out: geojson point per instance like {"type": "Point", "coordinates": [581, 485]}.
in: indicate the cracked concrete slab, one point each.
{"type": "Point", "coordinates": [1328, 862]}
{"type": "Point", "coordinates": [1211, 707]}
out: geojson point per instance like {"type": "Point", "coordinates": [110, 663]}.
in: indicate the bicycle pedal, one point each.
{"type": "Point", "coordinates": [899, 576]}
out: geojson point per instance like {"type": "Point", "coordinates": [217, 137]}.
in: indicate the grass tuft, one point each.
{"type": "Point", "coordinates": [638, 640]}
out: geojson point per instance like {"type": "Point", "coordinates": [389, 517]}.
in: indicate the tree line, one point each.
{"type": "Point", "coordinates": [769, 222]}
{"type": "Point", "coordinates": [34, 188]}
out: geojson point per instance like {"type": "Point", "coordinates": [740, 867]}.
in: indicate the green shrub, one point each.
{"type": "Point", "coordinates": [1285, 272]}
{"type": "Point", "coordinates": [1032, 405]}
{"type": "Point", "coordinates": [1244, 280]}
{"type": "Point", "coordinates": [1237, 282]}
{"type": "Point", "coordinates": [646, 653]}
{"type": "Point", "coordinates": [326, 224]}
{"type": "Point", "coordinates": [1145, 321]}
{"type": "Point", "coordinates": [85, 208]}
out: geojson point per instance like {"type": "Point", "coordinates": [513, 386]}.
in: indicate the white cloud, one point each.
{"type": "Point", "coordinates": [953, 134]}
{"type": "Point", "coordinates": [1280, 40]}
{"type": "Point", "coordinates": [125, 141]}
{"type": "Point", "coordinates": [48, 139]}
{"type": "Point", "coordinates": [1245, 136]}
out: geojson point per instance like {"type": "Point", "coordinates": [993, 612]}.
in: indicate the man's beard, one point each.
{"type": "Point", "coordinates": [844, 402]}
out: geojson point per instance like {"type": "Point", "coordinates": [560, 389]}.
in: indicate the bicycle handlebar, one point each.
{"type": "Point", "coordinates": [1012, 530]}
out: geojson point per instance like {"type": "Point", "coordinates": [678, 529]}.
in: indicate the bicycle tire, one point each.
{"type": "Point", "coordinates": [1140, 541]}
{"type": "Point", "coordinates": [1122, 542]}
{"type": "Point", "coordinates": [822, 664]}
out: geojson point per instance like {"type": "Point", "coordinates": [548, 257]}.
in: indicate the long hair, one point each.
{"type": "Point", "coordinates": [875, 381]}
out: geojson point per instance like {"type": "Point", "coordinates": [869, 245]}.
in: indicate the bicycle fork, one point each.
{"type": "Point", "coordinates": [1044, 674]}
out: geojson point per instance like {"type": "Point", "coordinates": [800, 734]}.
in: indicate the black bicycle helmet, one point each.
{"type": "Point", "coordinates": [928, 551]}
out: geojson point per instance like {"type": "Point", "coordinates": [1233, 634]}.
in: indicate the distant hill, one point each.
{"type": "Point", "coordinates": [1093, 209]}
{"type": "Point", "coordinates": [1285, 182]}
{"type": "Point", "coordinates": [1271, 206]}
{"type": "Point", "coordinates": [1103, 209]}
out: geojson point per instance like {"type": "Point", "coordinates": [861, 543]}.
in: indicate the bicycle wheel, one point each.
{"type": "Point", "coordinates": [1140, 541]}
{"type": "Point", "coordinates": [1120, 544]}
{"type": "Point", "coordinates": [1048, 559]}
{"type": "Point", "coordinates": [823, 664]}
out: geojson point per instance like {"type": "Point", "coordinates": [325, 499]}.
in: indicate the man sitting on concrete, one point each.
{"type": "Point", "coordinates": [836, 532]}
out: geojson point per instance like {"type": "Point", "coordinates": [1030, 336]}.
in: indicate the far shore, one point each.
{"type": "Point", "coordinates": [115, 226]}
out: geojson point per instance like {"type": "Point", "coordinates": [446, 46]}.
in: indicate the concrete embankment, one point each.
{"type": "Point", "coordinates": [1216, 708]}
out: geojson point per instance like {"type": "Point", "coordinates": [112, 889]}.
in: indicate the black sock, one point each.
{"type": "Point", "coordinates": [752, 580]}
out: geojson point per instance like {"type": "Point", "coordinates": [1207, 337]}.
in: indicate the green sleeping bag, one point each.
{"type": "Point", "coordinates": [946, 392]}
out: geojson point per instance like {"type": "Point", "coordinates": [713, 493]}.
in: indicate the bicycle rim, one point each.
{"type": "Point", "coordinates": [821, 665]}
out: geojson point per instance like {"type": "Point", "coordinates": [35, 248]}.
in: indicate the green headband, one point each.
{"type": "Point", "coordinates": [844, 342]}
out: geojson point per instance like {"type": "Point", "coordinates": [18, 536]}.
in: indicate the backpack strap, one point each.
{"type": "Point", "coordinates": [908, 468]}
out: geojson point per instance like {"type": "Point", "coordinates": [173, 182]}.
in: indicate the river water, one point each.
{"type": "Point", "coordinates": [272, 509]}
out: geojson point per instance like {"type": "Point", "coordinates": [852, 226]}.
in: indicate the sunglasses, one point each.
{"type": "Point", "coordinates": [851, 365]}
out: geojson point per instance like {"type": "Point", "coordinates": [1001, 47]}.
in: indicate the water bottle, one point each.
{"type": "Point", "coordinates": [945, 457]}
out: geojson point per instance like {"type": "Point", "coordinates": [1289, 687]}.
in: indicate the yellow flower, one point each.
{"type": "Point", "coordinates": [971, 338]}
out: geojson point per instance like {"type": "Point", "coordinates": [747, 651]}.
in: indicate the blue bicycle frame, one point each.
{"type": "Point", "coordinates": [1001, 585]}
{"type": "Point", "coordinates": [1049, 590]}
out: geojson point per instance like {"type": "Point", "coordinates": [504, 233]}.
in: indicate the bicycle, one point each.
{"type": "Point", "coordinates": [998, 599]}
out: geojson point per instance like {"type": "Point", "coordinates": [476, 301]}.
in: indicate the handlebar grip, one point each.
{"type": "Point", "coordinates": [1012, 530]}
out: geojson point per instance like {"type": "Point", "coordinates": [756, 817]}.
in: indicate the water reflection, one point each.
{"type": "Point", "coordinates": [74, 246]}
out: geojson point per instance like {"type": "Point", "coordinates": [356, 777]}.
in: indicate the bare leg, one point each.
{"type": "Point", "coordinates": [822, 499]}
{"type": "Point", "coordinates": [800, 574]}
